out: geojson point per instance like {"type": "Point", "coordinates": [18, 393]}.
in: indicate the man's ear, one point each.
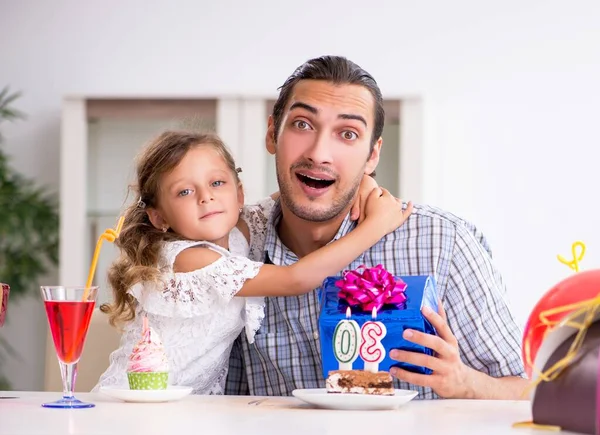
{"type": "Point", "coordinates": [270, 138]}
{"type": "Point", "coordinates": [156, 218]}
{"type": "Point", "coordinates": [374, 157]}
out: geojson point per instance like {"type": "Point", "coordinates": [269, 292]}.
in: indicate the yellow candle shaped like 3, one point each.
{"type": "Point", "coordinates": [346, 338]}
{"type": "Point", "coordinates": [371, 350]}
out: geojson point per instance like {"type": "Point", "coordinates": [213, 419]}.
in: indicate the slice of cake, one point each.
{"type": "Point", "coordinates": [360, 382]}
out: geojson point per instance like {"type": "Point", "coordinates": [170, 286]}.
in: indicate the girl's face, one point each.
{"type": "Point", "coordinates": [200, 198]}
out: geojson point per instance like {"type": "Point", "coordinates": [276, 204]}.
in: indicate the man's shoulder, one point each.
{"type": "Point", "coordinates": [427, 220]}
{"type": "Point", "coordinates": [433, 212]}
{"type": "Point", "coordinates": [429, 213]}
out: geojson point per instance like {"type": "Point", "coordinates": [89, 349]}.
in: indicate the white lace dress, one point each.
{"type": "Point", "coordinates": [196, 314]}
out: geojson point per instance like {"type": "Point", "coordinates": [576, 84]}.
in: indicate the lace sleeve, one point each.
{"type": "Point", "coordinates": [196, 293]}
{"type": "Point", "coordinates": [257, 218]}
{"type": "Point", "coordinates": [254, 313]}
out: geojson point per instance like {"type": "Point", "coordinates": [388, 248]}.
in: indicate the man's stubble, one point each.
{"type": "Point", "coordinates": [339, 204]}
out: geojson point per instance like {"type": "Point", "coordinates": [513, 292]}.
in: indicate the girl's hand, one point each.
{"type": "Point", "coordinates": [367, 185]}
{"type": "Point", "coordinates": [384, 212]}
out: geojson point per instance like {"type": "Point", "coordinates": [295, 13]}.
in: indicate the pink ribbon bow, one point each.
{"type": "Point", "coordinates": [373, 288]}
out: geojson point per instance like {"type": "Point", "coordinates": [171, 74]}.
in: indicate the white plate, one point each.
{"type": "Point", "coordinates": [367, 402]}
{"type": "Point", "coordinates": [147, 396]}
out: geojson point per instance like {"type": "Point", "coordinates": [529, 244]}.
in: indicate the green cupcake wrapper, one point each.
{"type": "Point", "coordinates": [148, 380]}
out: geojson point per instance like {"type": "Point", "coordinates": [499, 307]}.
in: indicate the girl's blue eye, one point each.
{"type": "Point", "coordinates": [217, 183]}
{"type": "Point", "coordinates": [185, 192]}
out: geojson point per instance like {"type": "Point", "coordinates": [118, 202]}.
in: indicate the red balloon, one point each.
{"type": "Point", "coordinates": [578, 287]}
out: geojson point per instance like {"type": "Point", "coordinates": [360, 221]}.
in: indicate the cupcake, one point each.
{"type": "Point", "coordinates": [148, 367]}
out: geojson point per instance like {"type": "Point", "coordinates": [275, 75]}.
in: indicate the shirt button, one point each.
{"type": "Point", "coordinates": [316, 335]}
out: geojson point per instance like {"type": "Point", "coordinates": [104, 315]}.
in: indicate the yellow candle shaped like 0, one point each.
{"type": "Point", "coordinates": [371, 350]}
{"type": "Point", "coordinates": [346, 338]}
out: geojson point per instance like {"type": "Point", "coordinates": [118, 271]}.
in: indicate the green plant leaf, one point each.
{"type": "Point", "coordinates": [29, 227]}
{"type": "Point", "coordinates": [29, 220]}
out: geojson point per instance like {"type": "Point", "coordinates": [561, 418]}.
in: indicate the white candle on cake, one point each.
{"type": "Point", "coordinates": [346, 337]}
{"type": "Point", "coordinates": [371, 350]}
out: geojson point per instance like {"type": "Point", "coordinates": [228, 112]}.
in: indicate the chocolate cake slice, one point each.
{"type": "Point", "coordinates": [360, 382]}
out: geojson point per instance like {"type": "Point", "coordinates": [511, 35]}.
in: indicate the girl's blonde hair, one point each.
{"type": "Point", "coordinates": [139, 241]}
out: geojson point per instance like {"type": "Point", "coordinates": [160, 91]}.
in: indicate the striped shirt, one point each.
{"type": "Point", "coordinates": [286, 354]}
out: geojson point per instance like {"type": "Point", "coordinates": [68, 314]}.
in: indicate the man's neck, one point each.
{"type": "Point", "coordinates": [303, 237]}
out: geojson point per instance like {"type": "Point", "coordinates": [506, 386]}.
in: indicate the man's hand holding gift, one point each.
{"type": "Point", "coordinates": [450, 377]}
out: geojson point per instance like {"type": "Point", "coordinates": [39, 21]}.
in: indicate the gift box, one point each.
{"type": "Point", "coordinates": [3, 302]}
{"type": "Point", "coordinates": [373, 295]}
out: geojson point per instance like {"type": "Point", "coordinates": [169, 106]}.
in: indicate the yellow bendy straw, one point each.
{"type": "Point", "coordinates": [109, 235]}
{"type": "Point", "coordinates": [574, 263]}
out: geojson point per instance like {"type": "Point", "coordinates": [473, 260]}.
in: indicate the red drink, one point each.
{"type": "Point", "coordinates": [69, 311]}
{"type": "Point", "coordinates": [69, 322]}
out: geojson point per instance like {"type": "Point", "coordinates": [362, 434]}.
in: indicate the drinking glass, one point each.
{"type": "Point", "coordinates": [69, 310]}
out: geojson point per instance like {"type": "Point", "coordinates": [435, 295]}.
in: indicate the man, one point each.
{"type": "Point", "coordinates": [325, 133]}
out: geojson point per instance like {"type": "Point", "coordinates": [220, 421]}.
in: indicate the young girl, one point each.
{"type": "Point", "coordinates": [184, 266]}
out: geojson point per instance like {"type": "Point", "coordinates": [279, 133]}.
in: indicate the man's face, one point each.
{"type": "Point", "coordinates": [322, 149]}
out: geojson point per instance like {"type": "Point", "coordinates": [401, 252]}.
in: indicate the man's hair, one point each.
{"type": "Point", "coordinates": [339, 71]}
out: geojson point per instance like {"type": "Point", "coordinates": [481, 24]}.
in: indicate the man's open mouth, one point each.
{"type": "Point", "coordinates": [314, 182]}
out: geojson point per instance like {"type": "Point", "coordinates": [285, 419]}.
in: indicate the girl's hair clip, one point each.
{"type": "Point", "coordinates": [141, 204]}
{"type": "Point", "coordinates": [238, 170]}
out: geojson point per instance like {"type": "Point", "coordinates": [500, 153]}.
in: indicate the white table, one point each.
{"type": "Point", "coordinates": [235, 415]}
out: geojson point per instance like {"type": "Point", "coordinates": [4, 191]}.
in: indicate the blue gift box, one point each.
{"type": "Point", "coordinates": [420, 292]}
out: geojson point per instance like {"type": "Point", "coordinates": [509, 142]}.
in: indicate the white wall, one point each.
{"type": "Point", "coordinates": [511, 94]}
